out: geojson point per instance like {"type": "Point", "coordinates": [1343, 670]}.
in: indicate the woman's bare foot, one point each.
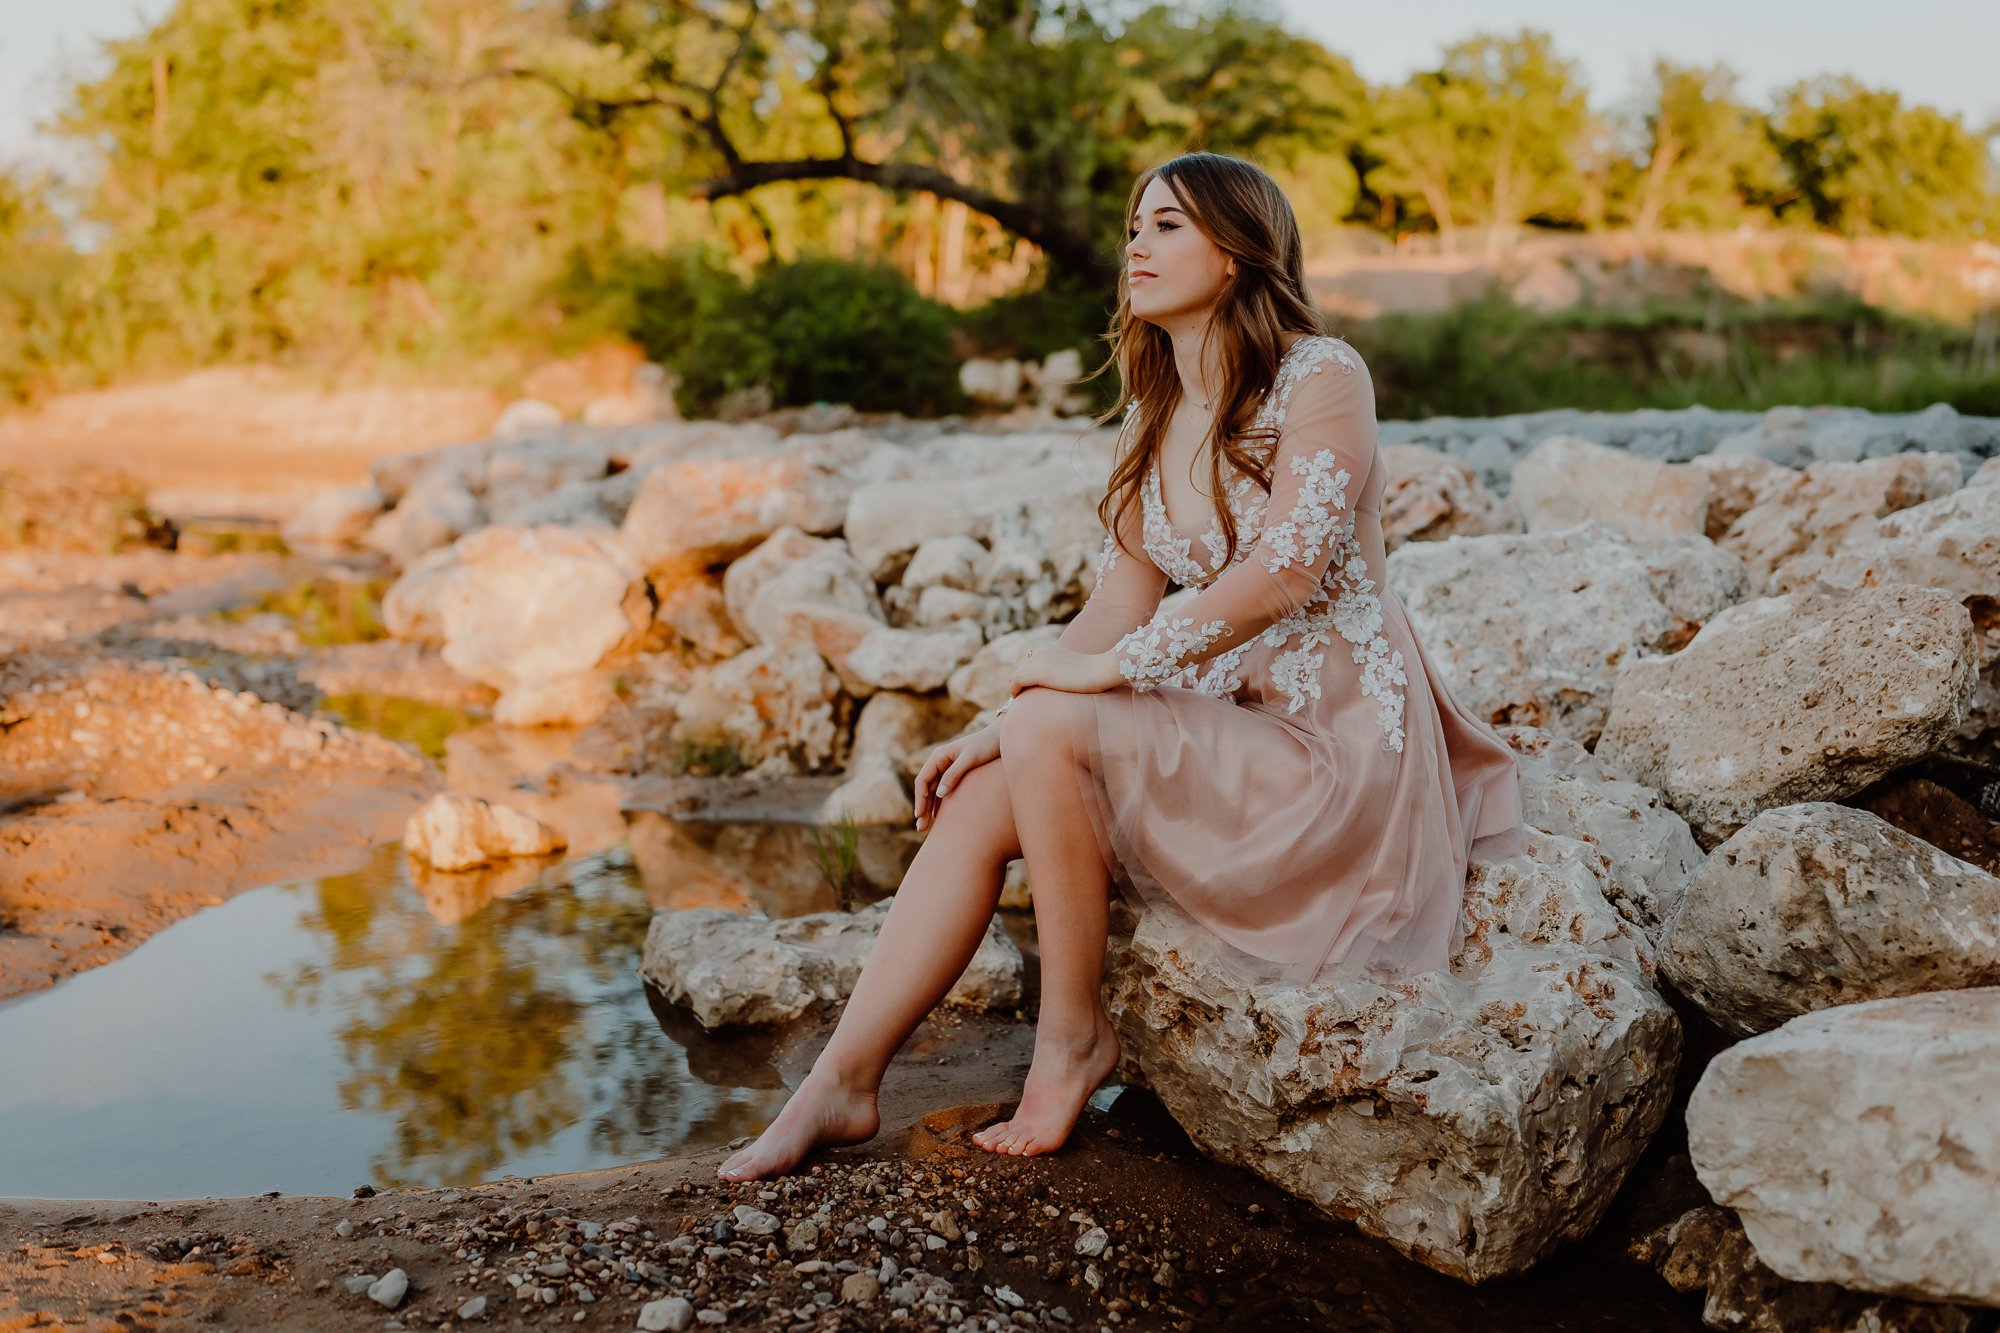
{"type": "Point", "coordinates": [824, 1112]}
{"type": "Point", "coordinates": [1059, 1082]}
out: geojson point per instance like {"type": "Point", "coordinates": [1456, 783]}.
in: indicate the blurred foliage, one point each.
{"type": "Point", "coordinates": [426, 726]}
{"type": "Point", "coordinates": [324, 611]}
{"type": "Point", "coordinates": [464, 185]}
{"type": "Point", "coordinates": [1492, 357]}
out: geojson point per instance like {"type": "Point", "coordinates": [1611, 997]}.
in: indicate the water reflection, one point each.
{"type": "Point", "coordinates": [381, 1026]}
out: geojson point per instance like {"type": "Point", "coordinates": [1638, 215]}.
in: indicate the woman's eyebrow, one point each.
{"type": "Point", "coordinates": [1167, 208]}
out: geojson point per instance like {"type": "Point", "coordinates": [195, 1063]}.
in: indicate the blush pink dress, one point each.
{"type": "Point", "coordinates": [1287, 766]}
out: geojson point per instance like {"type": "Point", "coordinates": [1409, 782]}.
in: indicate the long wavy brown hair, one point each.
{"type": "Point", "coordinates": [1240, 208]}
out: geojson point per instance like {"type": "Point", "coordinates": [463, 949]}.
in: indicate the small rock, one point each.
{"type": "Point", "coordinates": [389, 1292]}
{"type": "Point", "coordinates": [559, 1268]}
{"type": "Point", "coordinates": [712, 1316]}
{"type": "Point", "coordinates": [1009, 1297]}
{"type": "Point", "coordinates": [344, 1230]}
{"type": "Point", "coordinates": [860, 1287]}
{"type": "Point", "coordinates": [754, 1220]}
{"type": "Point", "coordinates": [360, 1283]}
{"type": "Point", "coordinates": [1093, 1242]}
{"type": "Point", "coordinates": [671, 1315]}
{"type": "Point", "coordinates": [473, 1309]}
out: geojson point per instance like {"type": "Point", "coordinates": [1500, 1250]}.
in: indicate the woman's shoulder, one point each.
{"type": "Point", "coordinates": [1318, 351]}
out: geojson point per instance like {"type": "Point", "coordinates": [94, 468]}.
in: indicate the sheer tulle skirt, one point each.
{"type": "Point", "coordinates": [1311, 852]}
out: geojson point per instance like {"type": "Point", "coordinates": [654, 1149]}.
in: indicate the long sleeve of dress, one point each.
{"type": "Point", "coordinates": [1325, 449]}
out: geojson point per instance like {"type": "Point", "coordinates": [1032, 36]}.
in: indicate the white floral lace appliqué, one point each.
{"type": "Point", "coordinates": [1345, 603]}
{"type": "Point", "coordinates": [1151, 654]}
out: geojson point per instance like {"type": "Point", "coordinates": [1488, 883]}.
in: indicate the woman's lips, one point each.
{"type": "Point", "coordinates": [1141, 277]}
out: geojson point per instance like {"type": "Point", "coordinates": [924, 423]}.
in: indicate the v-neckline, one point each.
{"type": "Point", "coordinates": [1214, 517]}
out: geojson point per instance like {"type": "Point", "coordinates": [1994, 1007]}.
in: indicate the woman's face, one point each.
{"type": "Point", "coordinates": [1172, 271]}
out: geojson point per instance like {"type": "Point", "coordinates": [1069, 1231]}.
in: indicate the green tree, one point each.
{"type": "Point", "coordinates": [329, 175]}
{"type": "Point", "coordinates": [1703, 157]}
{"type": "Point", "coordinates": [1487, 139]}
{"type": "Point", "coordinates": [1036, 113]}
{"type": "Point", "coordinates": [1860, 162]}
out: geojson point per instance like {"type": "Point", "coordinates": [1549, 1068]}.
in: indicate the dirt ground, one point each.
{"type": "Point", "coordinates": [247, 441]}
{"type": "Point", "coordinates": [965, 1239]}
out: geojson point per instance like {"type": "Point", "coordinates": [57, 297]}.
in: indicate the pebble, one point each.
{"type": "Point", "coordinates": [389, 1292]}
{"type": "Point", "coordinates": [860, 1287]}
{"type": "Point", "coordinates": [1093, 1242]}
{"type": "Point", "coordinates": [671, 1315]}
{"type": "Point", "coordinates": [473, 1308]}
{"type": "Point", "coordinates": [712, 1316]}
{"type": "Point", "coordinates": [754, 1220]}
{"type": "Point", "coordinates": [345, 1230]}
{"type": "Point", "coordinates": [357, 1285]}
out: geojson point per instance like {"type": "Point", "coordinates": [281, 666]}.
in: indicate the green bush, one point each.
{"type": "Point", "coordinates": [811, 330]}
{"type": "Point", "coordinates": [855, 333]}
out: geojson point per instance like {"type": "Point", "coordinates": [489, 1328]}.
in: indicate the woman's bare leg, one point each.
{"type": "Point", "coordinates": [1075, 1046]}
{"type": "Point", "coordinates": [933, 928]}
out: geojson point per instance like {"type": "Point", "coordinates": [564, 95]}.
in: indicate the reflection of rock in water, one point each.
{"type": "Point", "coordinates": [761, 865]}
{"type": "Point", "coordinates": [453, 896]}
{"type": "Point", "coordinates": [535, 770]}
{"type": "Point", "coordinates": [744, 1058]}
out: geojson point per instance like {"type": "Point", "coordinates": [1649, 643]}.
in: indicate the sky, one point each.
{"type": "Point", "coordinates": [1940, 52]}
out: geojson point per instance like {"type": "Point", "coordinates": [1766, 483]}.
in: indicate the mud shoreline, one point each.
{"type": "Point", "coordinates": [1191, 1243]}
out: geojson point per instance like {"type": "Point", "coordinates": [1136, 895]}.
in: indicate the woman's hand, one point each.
{"type": "Point", "coordinates": [1061, 668]}
{"type": "Point", "coordinates": [950, 762]}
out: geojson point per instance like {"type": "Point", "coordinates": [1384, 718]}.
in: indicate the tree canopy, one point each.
{"type": "Point", "coordinates": [437, 179]}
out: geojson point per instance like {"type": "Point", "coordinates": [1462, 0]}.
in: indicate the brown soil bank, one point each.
{"type": "Point", "coordinates": [133, 794]}
{"type": "Point", "coordinates": [1125, 1227]}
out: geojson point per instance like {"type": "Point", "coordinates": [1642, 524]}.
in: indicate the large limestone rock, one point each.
{"type": "Point", "coordinates": [334, 519]}
{"type": "Point", "coordinates": [731, 969]}
{"type": "Point", "coordinates": [775, 699]}
{"type": "Point", "coordinates": [888, 519]}
{"type": "Point", "coordinates": [912, 659]}
{"type": "Point", "coordinates": [1858, 1144]}
{"type": "Point", "coordinates": [1650, 852]}
{"type": "Point", "coordinates": [1813, 905]}
{"type": "Point", "coordinates": [1474, 1119]}
{"type": "Point", "coordinates": [824, 599]}
{"type": "Point", "coordinates": [1427, 496]}
{"type": "Point", "coordinates": [432, 513]}
{"type": "Point", "coordinates": [1531, 629]}
{"type": "Point", "coordinates": [1805, 697]}
{"type": "Point", "coordinates": [1737, 483]}
{"type": "Point", "coordinates": [699, 511]}
{"type": "Point", "coordinates": [1565, 481]}
{"type": "Point", "coordinates": [1950, 543]}
{"type": "Point", "coordinates": [533, 611]}
{"type": "Point", "coordinates": [458, 832]}
{"type": "Point", "coordinates": [1801, 523]}
{"type": "Point", "coordinates": [1704, 1250]}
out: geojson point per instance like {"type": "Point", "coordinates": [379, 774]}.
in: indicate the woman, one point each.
{"type": "Point", "coordinates": [1278, 762]}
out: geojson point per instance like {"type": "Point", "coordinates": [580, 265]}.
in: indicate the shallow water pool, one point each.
{"type": "Point", "coordinates": [362, 1029]}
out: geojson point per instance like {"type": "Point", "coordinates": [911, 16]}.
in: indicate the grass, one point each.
{"type": "Point", "coordinates": [411, 721]}
{"type": "Point", "coordinates": [834, 852]}
{"type": "Point", "coordinates": [327, 611]}
{"type": "Point", "coordinates": [1491, 358]}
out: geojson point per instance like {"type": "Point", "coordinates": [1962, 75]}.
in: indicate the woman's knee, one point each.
{"type": "Point", "coordinates": [1039, 723]}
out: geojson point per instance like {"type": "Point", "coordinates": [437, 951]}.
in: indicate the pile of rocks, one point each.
{"type": "Point", "coordinates": [1703, 632]}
